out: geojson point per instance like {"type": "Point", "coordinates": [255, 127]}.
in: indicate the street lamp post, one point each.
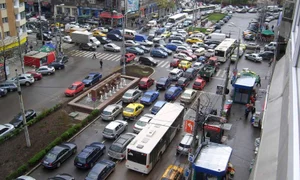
{"type": "Point", "coordinates": [58, 29]}
{"type": "Point", "coordinates": [41, 31]}
{"type": "Point", "coordinates": [123, 59]}
{"type": "Point", "coordinates": [238, 50]}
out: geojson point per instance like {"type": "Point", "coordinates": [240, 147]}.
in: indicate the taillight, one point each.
{"type": "Point", "coordinates": [122, 155]}
{"type": "Point", "coordinates": [147, 166]}
{"type": "Point", "coordinates": [86, 165]}
{"type": "Point", "coordinates": [50, 164]}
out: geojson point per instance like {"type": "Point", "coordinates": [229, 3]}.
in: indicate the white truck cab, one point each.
{"type": "Point", "coordinates": [95, 41]}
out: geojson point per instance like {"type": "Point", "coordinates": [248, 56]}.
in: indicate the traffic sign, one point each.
{"type": "Point", "coordinates": [189, 126]}
{"type": "Point", "coordinates": [187, 173]}
{"type": "Point", "coordinates": [191, 157]}
{"type": "Point", "coordinates": [219, 90]}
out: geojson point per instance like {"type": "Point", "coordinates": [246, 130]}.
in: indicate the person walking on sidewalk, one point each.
{"type": "Point", "coordinates": [101, 63]}
{"type": "Point", "coordinates": [30, 47]}
{"type": "Point", "coordinates": [258, 83]}
{"type": "Point", "coordinates": [94, 56]}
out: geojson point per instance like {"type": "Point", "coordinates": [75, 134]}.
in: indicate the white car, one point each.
{"type": "Point", "coordinates": [183, 48]}
{"type": "Point", "coordinates": [200, 51]}
{"type": "Point", "coordinates": [209, 53]}
{"type": "Point", "coordinates": [114, 129]}
{"type": "Point", "coordinates": [129, 43]}
{"type": "Point", "coordinates": [253, 57]}
{"type": "Point", "coordinates": [24, 79]}
{"type": "Point", "coordinates": [182, 56]}
{"type": "Point", "coordinates": [111, 47]}
{"type": "Point", "coordinates": [25, 178]}
{"type": "Point", "coordinates": [29, 31]}
{"type": "Point", "coordinates": [183, 33]}
{"type": "Point", "coordinates": [146, 43]}
{"type": "Point", "coordinates": [168, 25]}
{"type": "Point", "coordinates": [141, 123]}
{"type": "Point", "coordinates": [102, 29]}
{"type": "Point", "coordinates": [46, 70]}
{"type": "Point", "coordinates": [6, 129]}
{"type": "Point", "coordinates": [67, 39]}
{"type": "Point", "coordinates": [188, 96]}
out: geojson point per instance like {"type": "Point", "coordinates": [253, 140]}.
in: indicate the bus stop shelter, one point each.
{"type": "Point", "coordinates": [212, 162]}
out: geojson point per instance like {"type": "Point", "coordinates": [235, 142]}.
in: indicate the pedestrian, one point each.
{"type": "Point", "coordinates": [258, 83]}
{"type": "Point", "coordinates": [132, 22]}
{"type": "Point", "coordinates": [270, 62]}
{"type": "Point", "coordinates": [101, 63]}
{"type": "Point", "coordinates": [94, 56]}
{"type": "Point", "coordinates": [272, 27]}
{"type": "Point", "coordinates": [30, 47]}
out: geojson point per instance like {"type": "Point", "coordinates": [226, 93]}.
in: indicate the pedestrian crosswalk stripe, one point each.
{"type": "Point", "coordinates": [165, 64]}
{"type": "Point", "coordinates": [218, 72]}
{"type": "Point", "coordinates": [90, 54]}
{"type": "Point", "coordinates": [223, 74]}
{"type": "Point", "coordinates": [76, 53]}
{"type": "Point", "coordinates": [160, 63]}
{"type": "Point", "coordinates": [105, 56]}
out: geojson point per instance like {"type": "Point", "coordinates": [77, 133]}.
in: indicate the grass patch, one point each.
{"type": "Point", "coordinates": [215, 17]}
{"type": "Point", "coordinates": [191, 29]}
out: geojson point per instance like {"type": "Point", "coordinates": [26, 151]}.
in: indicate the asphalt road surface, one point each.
{"type": "Point", "coordinates": [49, 91]}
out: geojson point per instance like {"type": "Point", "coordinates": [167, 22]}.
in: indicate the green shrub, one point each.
{"type": "Point", "coordinates": [53, 143]}
{"type": "Point", "coordinates": [21, 170]}
{"type": "Point", "coordinates": [77, 127]}
{"type": "Point", "coordinates": [36, 158]}
{"type": "Point", "coordinates": [215, 17]}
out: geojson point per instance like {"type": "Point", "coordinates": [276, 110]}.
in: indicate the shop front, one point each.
{"type": "Point", "coordinates": [108, 18]}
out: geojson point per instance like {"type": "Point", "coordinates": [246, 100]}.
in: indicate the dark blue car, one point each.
{"type": "Point", "coordinates": [171, 46]}
{"type": "Point", "coordinates": [202, 59]}
{"type": "Point", "coordinates": [163, 83]}
{"type": "Point", "coordinates": [135, 50]}
{"type": "Point", "coordinates": [101, 170]}
{"type": "Point", "coordinates": [88, 157]}
{"type": "Point", "coordinates": [157, 106]}
{"type": "Point", "coordinates": [91, 79]}
{"type": "Point", "coordinates": [3, 92]}
{"type": "Point", "coordinates": [57, 65]}
{"type": "Point", "coordinates": [149, 97]}
{"type": "Point", "coordinates": [164, 49]}
{"type": "Point", "coordinates": [160, 31]}
{"type": "Point", "coordinates": [172, 93]}
{"type": "Point", "coordinates": [158, 53]}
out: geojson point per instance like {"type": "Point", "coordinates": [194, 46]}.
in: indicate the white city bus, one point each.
{"type": "Point", "coordinates": [177, 18]}
{"type": "Point", "coordinates": [147, 147]}
{"type": "Point", "coordinates": [224, 50]}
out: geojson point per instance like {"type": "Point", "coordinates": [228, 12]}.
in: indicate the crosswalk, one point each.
{"type": "Point", "coordinates": [89, 54]}
{"type": "Point", "coordinates": [221, 73]}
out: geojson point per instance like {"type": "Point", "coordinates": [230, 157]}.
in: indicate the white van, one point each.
{"type": "Point", "coordinates": [200, 52]}
{"type": "Point", "coordinates": [95, 41]}
{"type": "Point", "coordinates": [152, 23]}
{"type": "Point", "coordinates": [129, 34]}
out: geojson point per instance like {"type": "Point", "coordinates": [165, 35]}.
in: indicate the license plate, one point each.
{"type": "Point", "coordinates": [79, 164]}
{"type": "Point", "coordinates": [45, 162]}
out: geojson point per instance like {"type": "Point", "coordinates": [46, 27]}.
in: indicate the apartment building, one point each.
{"type": "Point", "coordinates": [12, 22]}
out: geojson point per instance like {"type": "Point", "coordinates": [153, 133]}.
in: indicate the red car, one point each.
{"type": "Point", "coordinates": [199, 84]}
{"type": "Point", "coordinates": [174, 63]}
{"type": "Point", "coordinates": [189, 54]}
{"type": "Point", "coordinates": [75, 88]}
{"type": "Point", "coordinates": [37, 76]}
{"type": "Point", "coordinates": [129, 57]}
{"type": "Point", "coordinates": [146, 82]}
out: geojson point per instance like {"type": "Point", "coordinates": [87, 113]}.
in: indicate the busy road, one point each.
{"type": "Point", "coordinates": [81, 62]}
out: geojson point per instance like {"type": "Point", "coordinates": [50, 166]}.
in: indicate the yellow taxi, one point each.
{"type": "Point", "coordinates": [194, 32]}
{"type": "Point", "coordinates": [173, 173]}
{"type": "Point", "coordinates": [155, 15]}
{"type": "Point", "coordinates": [132, 110]}
{"type": "Point", "coordinates": [166, 34]}
{"type": "Point", "coordinates": [243, 46]}
{"type": "Point", "coordinates": [194, 40]}
{"type": "Point", "coordinates": [184, 64]}
{"type": "Point", "coordinates": [209, 31]}
{"type": "Point", "coordinates": [98, 33]}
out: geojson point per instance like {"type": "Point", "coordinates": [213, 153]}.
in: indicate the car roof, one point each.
{"type": "Point", "coordinates": [86, 151]}
{"type": "Point", "coordinates": [150, 92]}
{"type": "Point", "coordinates": [44, 66]}
{"type": "Point", "coordinates": [173, 88]}
{"type": "Point", "coordinates": [160, 103]}
{"type": "Point", "coordinates": [112, 125]}
{"type": "Point", "coordinates": [58, 149]}
{"type": "Point", "coordinates": [77, 83]}
{"type": "Point", "coordinates": [145, 119]}
{"type": "Point", "coordinates": [199, 80]}
{"type": "Point", "coordinates": [110, 107]}
{"type": "Point", "coordinates": [98, 168]}
{"type": "Point", "coordinates": [131, 91]}
{"type": "Point", "coordinates": [190, 70]}
{"type": "Point", "coordinates": [175, 70]}
{"type": "Point", "coordinates": [145, 78]}
{"type": "Point", "coordinates": [187, 139]}
{"type": "Point", "coordinates": [91, 74]}
{"type": "Point", "coordinates": [133, 105]}
{"type": "Point", "coordinates": [189, 91]}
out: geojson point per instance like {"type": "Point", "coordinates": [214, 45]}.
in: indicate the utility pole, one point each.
{"type": "Point", "coordinates": [195, 133]}
{"type": "Point", "coordinates": [40, 14]}
{"type": "Point", "coordinates": [20, 51]}
{"type": "Point", "coordinates": [55, 12]}
{"type": "Point", "coordinates": [4, 58]}
{"type": "Point", "coordinates": [225, 87]}
{"type": "Point", "coordinates": [23, 111]}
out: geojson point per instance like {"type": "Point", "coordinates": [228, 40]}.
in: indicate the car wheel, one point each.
{"type": "Point", "coordinates": [58, 165]}
{"type": "Point", "coordinates": [27, 83]}
{"type": "Point", "coordinates": [49, 73]}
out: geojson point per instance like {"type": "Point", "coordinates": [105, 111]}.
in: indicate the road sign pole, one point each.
{"type": "Point", "coordinates": [194, 144]}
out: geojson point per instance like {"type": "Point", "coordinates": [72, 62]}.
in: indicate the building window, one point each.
{"type": "Point", "coordinates": [21, 4]}
{"type": "Point", "coordinates": [6, 34]}
{"type": "Point", "coordinates": [2, 6]}
{"type": "Point", "coordinates": [5, 20]}
{"type": "Point", "coordinates": [23, 15]}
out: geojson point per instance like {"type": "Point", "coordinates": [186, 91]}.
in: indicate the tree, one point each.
{"type": "Point", "coordinates": [165, 3]}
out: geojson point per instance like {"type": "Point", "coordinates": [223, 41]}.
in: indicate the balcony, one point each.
{"type": "Point", "coordinates": [20, 22]}
{"type": "Point", "coordinates": [18, 9]}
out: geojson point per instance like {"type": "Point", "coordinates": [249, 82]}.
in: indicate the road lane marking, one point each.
{"type": "Point", "coordinates": [218, 72]}
{"type": "Point", "coordinates": [224, 73]}
{"type": "Point", "coordinates": [90, 54]}
{"type": "Point", "coordinates": [160, 63]}
{"type": "Point", "coordinates": [167, 62]}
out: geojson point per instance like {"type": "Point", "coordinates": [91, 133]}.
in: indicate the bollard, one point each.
{"type": "Point", "coordinates": [113, 90]}
{"type": "Point", "coordinates": [124, 81]}
{"type": "Point", "coordinates": [101, 98]}
{"type": "Point", "coordinates": [110, 93]}
{"type": "Point", "coordinates": [105, 96]}
{"type": "Point", "coordinates": [121, 83]}
{"type": "Point", "coordinates": [117, 87]}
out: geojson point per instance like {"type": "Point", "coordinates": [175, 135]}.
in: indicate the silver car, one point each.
{"type": "Point", "coordinates": [141, 123]}
{"type": "Point", "coordinates": [185, 144]}
{"type": "Point", "coordinates": [6, 129]}
{"type": "Point", "coordinates": [188, 96]}
{"type": "Point", "coordinates": [118, 148]}
{"type": "Point", "coordinates": [46, 70]}
{"type": "Point", "coordinates": [114, 129]}
{"type": "Point", "coordinates": [111, 112]}
{"type": "Point", "coordinates": [24, 79]}
{"type": "Point", "coordinates": [131, 95]}
{"type": "Point", "coordinates": [129, 43]}
{"type": "Point", "coordinates": [111, 47]}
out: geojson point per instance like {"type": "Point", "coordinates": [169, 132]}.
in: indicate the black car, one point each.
{"type": "Point", "coordinates": [172, 37]}
{"type": "Point", "coordinates": [266, 55]}
{"type": "Point", "coordinates": [46, 37]}
{"type": "Point", "coordinates": [57, 65]}
{"type": "Point", "coordinates": [88, 157]}
{"type": "Point", "coordinates": [212, 46]}
{"type": "Point", "coordinates": [183, 82]}
{"type": "Point", "coordinates": [209, 42]}
{"type": "Point", "coordinates": [104, 40]}
{"type": "Point", "coordinates": [18, 119]}
{"type": "Point", "coordinates": [62, 59]}
{"type": "Point", "coordinates": [87, 46]}
{"type": "Point", "coordinates": [147, 61]}
{"type": "Point", "coordinates": [101, 170]}
{"type": "Point", "coordinates": [163, 83]}
{"type": "Point", "coordinates": [62, 176]}
{"type": "Point", "coordinates": [58, 155]}
{"type": "Point", "coordinates": [146, 50]}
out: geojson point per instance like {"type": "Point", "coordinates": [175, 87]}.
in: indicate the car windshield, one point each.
{"type": "Point", "coordinates": [115, 148]}
{"type": "Point", "coordinates": [128, 109]}
{"type": "Point", "coordinates": [51, 156]}
{"type": "Point", "coordinates": [89, 77]}
{"type": "Point", "coordinates": [80, 159]}
{"type": "Point", "coordinates": [93, 175]}
{"type": "Point", "coordinates": [185, 95]}
{"type": "Point", "coordinates": [197, 83]}
{"type": "Point", "coordinates": [141, 123]}
{"type": "Point", "coordinates": [106, 113]}
{"type": "Point", "coordinates": [127, 95]}
{"type": "Point", "coordinates": [108, 130]}
{"type": "Point", "coordinates": [72, 87]}
{"type": "Point", "coordinates": [169, 92]}
{"type": "Point", "coordinates": [155, 108]}
{"type": "Point", "coordinates": [147, 96]}
{"type": "Point", "coordinates": [142, 82]}
{"type": "Point", "coordinates": [184, 145]}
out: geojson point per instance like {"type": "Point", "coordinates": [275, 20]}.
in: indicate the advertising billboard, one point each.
{"type": "Point", "coordinates": [133, 5]}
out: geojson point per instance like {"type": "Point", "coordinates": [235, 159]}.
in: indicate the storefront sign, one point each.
{"type": "Point", "coordinates": [212, 128]}
{"type": "Point", "coordinates": [133, 5]}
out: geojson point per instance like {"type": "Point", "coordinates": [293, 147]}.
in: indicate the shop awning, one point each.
{"type": "Point", "coordinates": [108, 15]}
{"type": "Point", "coordinates": [267, 32]}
